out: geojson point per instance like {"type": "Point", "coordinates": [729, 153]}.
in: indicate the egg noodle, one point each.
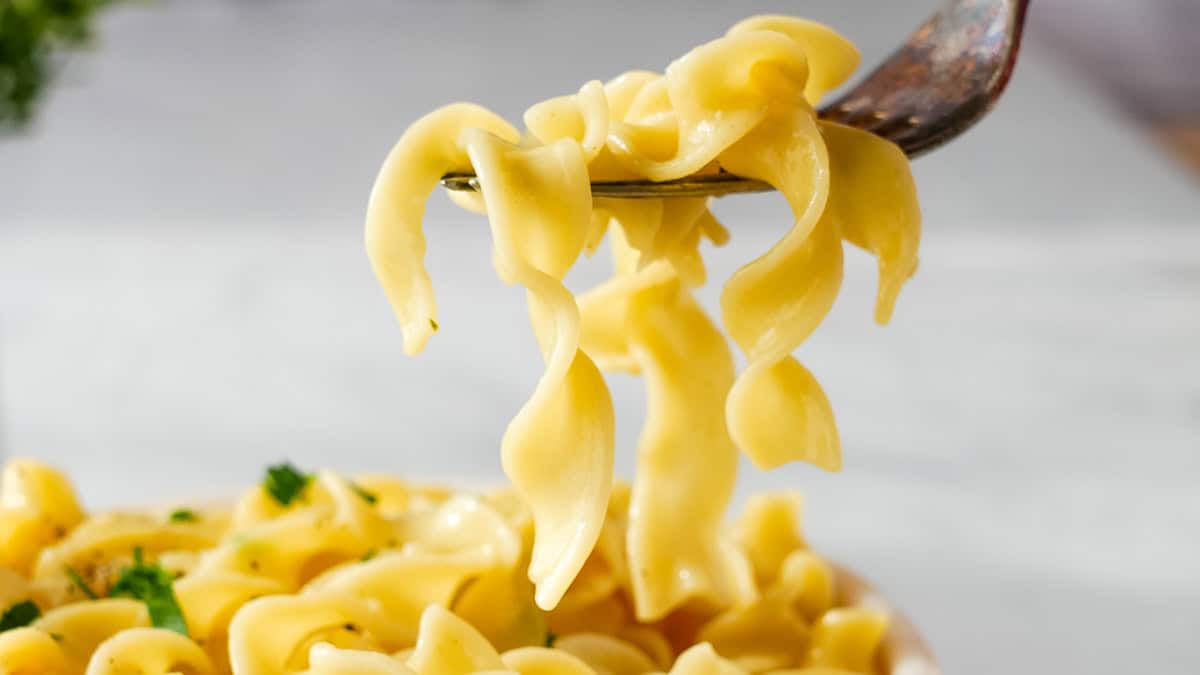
{"type": "Point", "coordinates": [567, 571]}
{"type": "Point", "coordinates": [743, 103]}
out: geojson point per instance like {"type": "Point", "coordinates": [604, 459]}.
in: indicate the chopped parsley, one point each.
{"type": "Point", "coordinates": [19, 615]}
{"type": "Point", "coordinates": [151, 584]}
{"type": "Point", "coordinates": [183, 516]}
{"type": "Point", "coordinates": [285, 482]}
{"type": "Point", "coordinates": [368, 555]}
{"type": "Point", "coordinates": [79, 583]}
{"type": "Point", "coordinates": [367, 495]}
{"type": "Point", "coordinates": [551, 638]}
{"type": "Point", "coordinates": [433, 324]}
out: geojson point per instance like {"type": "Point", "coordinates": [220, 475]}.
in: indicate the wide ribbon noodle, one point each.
{"type": "Point", "coordinates": [744, 104]}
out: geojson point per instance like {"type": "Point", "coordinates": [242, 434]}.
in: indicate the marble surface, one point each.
{"type": "Point", "coordinates": [184, 298]}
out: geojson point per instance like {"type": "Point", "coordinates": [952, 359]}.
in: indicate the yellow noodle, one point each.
{"type": "Point", "coordinates": [742, 103]}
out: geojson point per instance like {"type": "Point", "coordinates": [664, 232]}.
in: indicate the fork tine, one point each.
{"type": "Point", "coordinates": [845, 111]}
{"type": "Point", "coordinates": [867, 119]}
{"type": "Point", "coordinates": [893, 128]}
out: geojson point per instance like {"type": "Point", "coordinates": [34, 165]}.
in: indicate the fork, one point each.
{"type": "Point", "coordinates": [943, 80]}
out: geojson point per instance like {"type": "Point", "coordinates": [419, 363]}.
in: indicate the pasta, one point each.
{"type": "Point", "coordinates": [568, 571]}
{"type": "Point", "coordinates": [743, 103]}
{"type": "Point", "coordinates": [406, 579]}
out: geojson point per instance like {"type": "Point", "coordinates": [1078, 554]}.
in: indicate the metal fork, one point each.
{"type": "Point", "coordinates": [949, 73]}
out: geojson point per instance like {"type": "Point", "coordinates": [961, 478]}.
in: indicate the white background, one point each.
{"type": "Point", "coordinates": [184, 299]}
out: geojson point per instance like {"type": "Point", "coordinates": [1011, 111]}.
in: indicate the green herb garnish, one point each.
{"type": "Point", "coordinates": [32, 35]}
{"type": "Point", "coordinates": [19, 615]}
{"type": "Point", "coordinates": [366, 494]}
{"type": "Point", "coordinates": [151, 584]}
{"type": "Point", "coordinates": [79, 583]}
{"type": "Point", "coordinates": [285, 482]}
{"type": "Point", "coordinates": [551, 638]}
{"type": "Point", "coordinates": [368, 555]}
{"type": "Point", "coordinates": [183, 516]}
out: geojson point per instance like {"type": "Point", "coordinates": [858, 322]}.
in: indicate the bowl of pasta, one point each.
{"type": "Point", "coordinates": [320, 573]}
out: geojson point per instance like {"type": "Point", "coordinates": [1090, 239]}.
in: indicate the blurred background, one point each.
{"type": "Point", "coordinates": [184, 296]}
